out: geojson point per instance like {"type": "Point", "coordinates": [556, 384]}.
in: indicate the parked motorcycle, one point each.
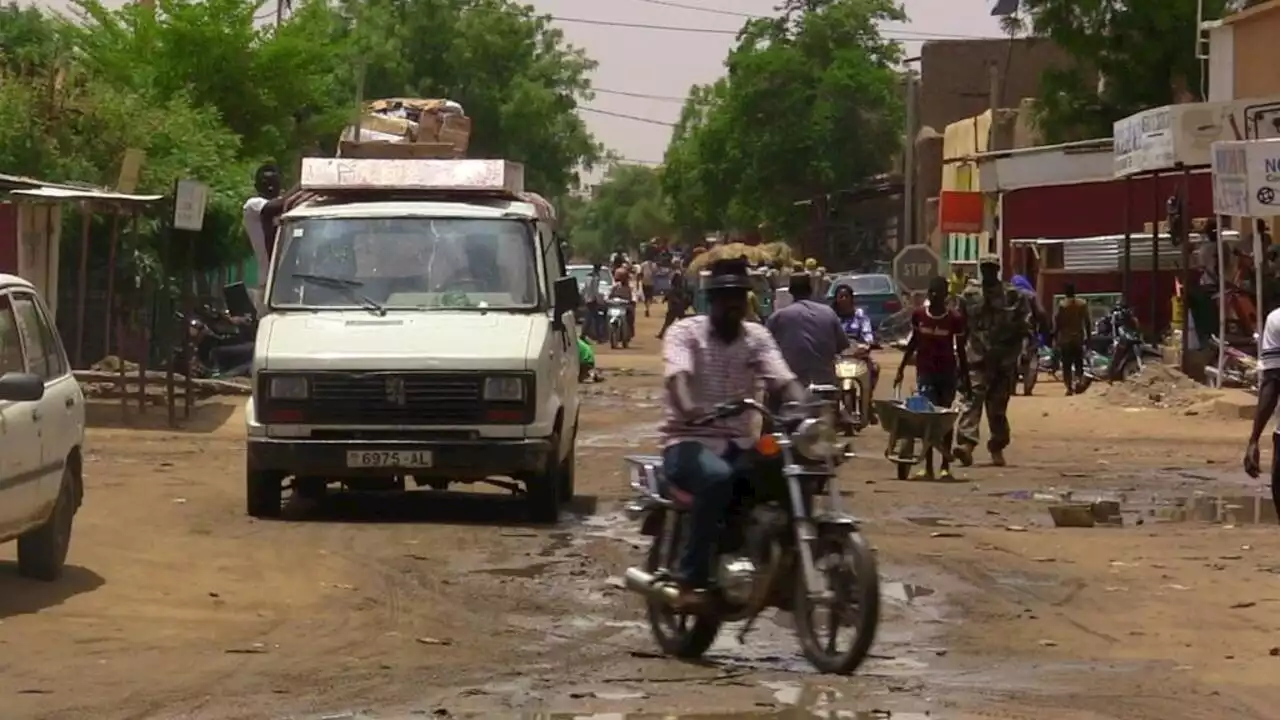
{"type": "Point", "coordinates": [777, 549]}
{"type": "Point", "coordinates": [204, 330]}
{"type": "Point", "coordinates": [618, 323]}
{"type": "Point", "coordinates": [1239, 370]}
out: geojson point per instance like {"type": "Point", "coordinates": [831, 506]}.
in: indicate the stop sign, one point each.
{"type": "Point", "coordinates": [914, 266]}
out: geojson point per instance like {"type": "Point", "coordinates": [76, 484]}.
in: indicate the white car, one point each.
{"type": "Point", "coordinates": [41, 433]}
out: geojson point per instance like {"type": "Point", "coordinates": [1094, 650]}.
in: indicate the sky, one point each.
{"type": "Point", "coordinates": [663, 64]}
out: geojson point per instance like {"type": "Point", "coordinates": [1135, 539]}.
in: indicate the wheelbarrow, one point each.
{"type": "Point", "coordinates": [907, 427]}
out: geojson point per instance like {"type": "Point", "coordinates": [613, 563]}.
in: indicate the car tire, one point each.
{"type": "Point", "coordinates": [42, 552]}
{"type": "Point", "coordinates": [264, 493]}
{"type": "Point", "coordinates": [568, 475]}
{"type": "Point", "coordinates": [543, 490]}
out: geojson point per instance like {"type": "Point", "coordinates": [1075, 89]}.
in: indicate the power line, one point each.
{"type": "Point", "coordinates": [922, 34]}
{"type": "Point", "coordinates": [712, 11]}
{"type": "Point", "coordinates": [625, 116]}
{"type": "Point", "coordinates": [642, 96]}
{"type": "Point", "coordinates": [900, 35]}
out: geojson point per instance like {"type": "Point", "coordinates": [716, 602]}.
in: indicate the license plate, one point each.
{"type": "Point", "coordinates": [389, 458]}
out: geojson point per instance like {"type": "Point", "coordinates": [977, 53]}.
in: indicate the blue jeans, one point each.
{"type": "Point", "coordinates": [593, 322]}
{"type": "Point", "coordinates": [697, 470]}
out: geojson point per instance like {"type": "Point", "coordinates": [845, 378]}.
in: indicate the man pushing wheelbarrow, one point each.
{"type": "Point", "coordinates": [937, 343]}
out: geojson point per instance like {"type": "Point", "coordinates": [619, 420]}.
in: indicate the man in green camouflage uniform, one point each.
{"type": "Point", "coordinates": [998, 319]}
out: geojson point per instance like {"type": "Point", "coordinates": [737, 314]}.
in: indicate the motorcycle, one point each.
{"type": "Point", "coordinates": [1239, 369]}
{"type": "Point", "coordinates": [618, 323]}
{"type": "Point", "coordinates": [854, 375]}
{"type": "Point", "coordinates": [1116, 351]}
{"type": "Point", "coordinates": [1029, 363]}
{"type": "Point", "coordinates": [203, 330]}
{"type": "Point", "coordinates": [776, 550]}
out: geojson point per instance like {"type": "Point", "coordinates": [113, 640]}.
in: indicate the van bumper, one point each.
{"type": "Point", "coordinates": [454, 459]}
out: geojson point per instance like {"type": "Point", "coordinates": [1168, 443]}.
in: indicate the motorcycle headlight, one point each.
{"type": "Point", "coordinates": [288, 388]}
{"type": "Point", "coordinates": [815, 439]}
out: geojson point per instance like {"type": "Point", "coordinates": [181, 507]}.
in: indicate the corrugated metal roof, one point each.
{"type": "Point", "coordinates": [70, 193]}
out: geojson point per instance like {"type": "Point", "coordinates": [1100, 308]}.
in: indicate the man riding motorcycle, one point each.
{"type": "Point", "coordinates": [857, 325]}
{"type": "Point", "coordinates": [711, 359]}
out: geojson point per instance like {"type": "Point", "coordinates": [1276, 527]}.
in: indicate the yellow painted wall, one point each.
{"type": "Point", "coordinates": [964, 138]}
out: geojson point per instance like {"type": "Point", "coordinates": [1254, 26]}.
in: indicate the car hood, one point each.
{"type": "Point", "coordinates": [433, 340]}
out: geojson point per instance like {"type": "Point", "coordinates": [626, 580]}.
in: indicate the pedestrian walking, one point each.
{"type": "Point", "coordinates": [938, 345]}
{"type": "Point", "coordinates": [997, 319]}
{"type": "Point", "coordinates": [1071, 330]}
{"type": "Point", "coordinates": [648, 269]}
{"type": "Point", "coordinates": [1268, 394]}
{"type": "Point", "coordinates": [677, 301]}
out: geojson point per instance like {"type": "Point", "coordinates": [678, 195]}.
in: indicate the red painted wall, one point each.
{"type": "Point", "coordinates": [8, 238]}
{"type": "Point", "coordinates": [1093, 209]}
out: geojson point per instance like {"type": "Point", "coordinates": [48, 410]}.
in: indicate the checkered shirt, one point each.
{"type": "Point", "coordinates": [721, 373]}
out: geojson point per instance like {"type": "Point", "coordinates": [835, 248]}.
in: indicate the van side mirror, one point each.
{"type": "Point", "coordinates": [567, 297]}
{"type": "Point", "coordinates": [21, 387]}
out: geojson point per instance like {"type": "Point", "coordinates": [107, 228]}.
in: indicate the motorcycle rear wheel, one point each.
{"type": "Point", "coordinates": [683, 635]}
{"type": "Point", "coordinates": [849, 566]}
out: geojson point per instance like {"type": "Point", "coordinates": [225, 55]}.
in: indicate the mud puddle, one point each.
{"type": "Point", "coordinates": [630, 436]}
{"type": "Point", "coordinates": [1139, 507]}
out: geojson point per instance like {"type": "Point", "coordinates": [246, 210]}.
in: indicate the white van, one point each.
{"type": "Point", "coordinates": [419, 327]}
{"type": "Point", "coordinates": [41, 433]}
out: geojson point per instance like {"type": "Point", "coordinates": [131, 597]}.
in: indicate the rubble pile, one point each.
{"type": "Point", "coordinates": [1158, 386]}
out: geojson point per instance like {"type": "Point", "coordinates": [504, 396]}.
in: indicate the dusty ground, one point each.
{"type": "Point", "coordinates": [179, 606]}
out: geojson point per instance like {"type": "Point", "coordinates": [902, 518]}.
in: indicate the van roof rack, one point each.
{"type": "Point", "coordinates": [336, 176]}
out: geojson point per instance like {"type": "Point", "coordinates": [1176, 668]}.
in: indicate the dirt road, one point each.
{"type": "Point", "coordinates": [179, 606]}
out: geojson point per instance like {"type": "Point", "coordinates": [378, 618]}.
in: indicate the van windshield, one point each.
{"type": "Point", "coordinates": [406, 263]}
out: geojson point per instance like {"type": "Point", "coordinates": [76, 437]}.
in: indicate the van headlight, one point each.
{"type": "Point", "coordinates": [288, 387]}
{"type": "Point", "coordinates": [504, 389]}
{"type": "Point", "coordinates": [815, 439]}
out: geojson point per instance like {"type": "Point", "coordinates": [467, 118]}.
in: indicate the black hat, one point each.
{"type": "Point", "coordinates": [729, 274]}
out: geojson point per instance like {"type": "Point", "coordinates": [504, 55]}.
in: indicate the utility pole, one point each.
{"type": "Point", "coordinates": [908, 236]}
{"type": "Point", "coordinates": [993, 80]}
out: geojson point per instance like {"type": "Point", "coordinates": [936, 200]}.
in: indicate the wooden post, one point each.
{"type": "Point", "coordinates": [82, 283]}
{"type": "Point", "coordinates": [1185, 309]}
{"type": "Point", "coordinates": [111, 282]}
{"type": "Point", "coordinates": [1126, 264]}
{"type": "Point", "coordinates": [1155, 253]}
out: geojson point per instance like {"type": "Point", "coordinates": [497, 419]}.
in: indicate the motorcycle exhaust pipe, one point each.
{"type": "Point", "coordinates": [639, 581]}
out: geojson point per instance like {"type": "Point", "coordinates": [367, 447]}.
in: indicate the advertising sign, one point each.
{"type": "Point", "coordinates": [1246, 178]}
{"type": "Point", "coordinates": [1144, 142]}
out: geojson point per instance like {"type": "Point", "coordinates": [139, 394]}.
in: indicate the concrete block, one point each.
{"type": "Point", "coordinates": [1236, 404]}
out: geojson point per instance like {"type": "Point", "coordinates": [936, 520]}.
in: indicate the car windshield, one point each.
{"type": "Point", "coordinates": [868, 284]}
{"type": "Point", "coordinates": [579, 273]}
{"type": "Point", "coordinates": [419, 263]}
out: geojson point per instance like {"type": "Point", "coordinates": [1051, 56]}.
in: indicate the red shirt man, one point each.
{"type": "Point", "coordinates": [937, 344]}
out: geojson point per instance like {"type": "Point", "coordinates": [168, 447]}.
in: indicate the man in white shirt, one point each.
{"type": "Point", "coordinates": [1268, 394]}
{"type": "Point", "coordinates": [267, 183]}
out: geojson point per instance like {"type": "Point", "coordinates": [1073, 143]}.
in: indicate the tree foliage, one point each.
{"type": "Point", "coordinates": [208, 92]}
{"type": "Point", "coordinates": [810, 104]}
{"type": "Point", "coordinates": [1129, 55]}
{"type": "Point", "coordinates": [624, 210]}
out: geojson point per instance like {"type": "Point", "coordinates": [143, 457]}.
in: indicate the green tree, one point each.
{"type": "Point", "coordinates": [810, 105]}
{"type": "Point", "coordinates": [625, 209]}
{"type": "Point", "coordinates": [509, 67]}
{"type": "Point", "coordinates": [259, 82]}
{"type": "Point", "coordinates": [1139, 48]}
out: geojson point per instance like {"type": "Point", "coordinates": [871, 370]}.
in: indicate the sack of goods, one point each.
{"type": "Point", "coordinates": [440, 128]}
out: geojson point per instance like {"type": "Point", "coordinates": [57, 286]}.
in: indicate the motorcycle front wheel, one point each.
{"type": "Point", "coordinates": [683, 635]}
{"type": "Point", "coordinates": [848, 567]}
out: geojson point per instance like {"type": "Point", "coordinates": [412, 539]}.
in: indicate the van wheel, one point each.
{"type": "Point", "coordinates": [568, 476]}
{"type": "Point", "coordinates": [543, 490]}
{"type": "Point", "coordinates": [43, 552]}
{"type": "Point", "coordinates": [263, 491]}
